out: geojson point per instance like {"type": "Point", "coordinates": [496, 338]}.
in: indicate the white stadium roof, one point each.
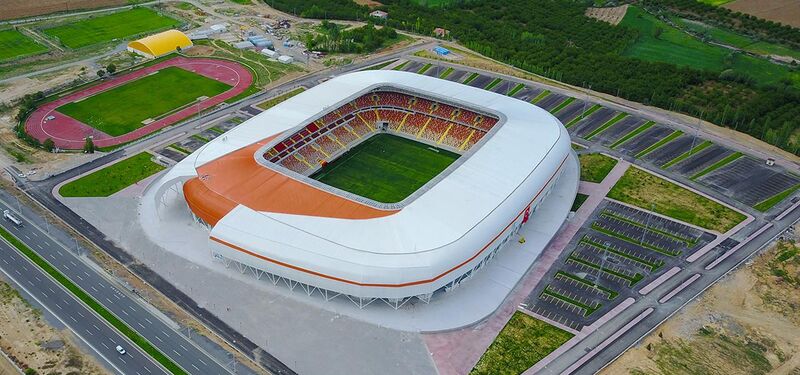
{"type": "Point", "coordinates": [417, 249]}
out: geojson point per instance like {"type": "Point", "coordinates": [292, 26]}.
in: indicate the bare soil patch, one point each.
{"type": "Point", "coordinates": [369, 3]}
{"type": "Point", "coordinates": [786, 12]}
{"type": "Point", "coordinates": [26, 8]}
{"type": "Point", "coordinates": [31, 343]}
{"type": "Point", "coordinates": [612, 15]}
{"type": "Point", "coordinates": [745, 324]}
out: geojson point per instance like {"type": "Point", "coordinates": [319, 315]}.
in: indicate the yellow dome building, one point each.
{"type": "Point", "coordinates": [160, 44]}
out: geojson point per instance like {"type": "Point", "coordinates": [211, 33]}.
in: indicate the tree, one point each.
{"type": "Point", "coordinates": [111, 69]}
{"type": "Point", "coordinates": [657, 32]}
{"type": "Point", "coordinates": [101, 73]}
{"type": "Point", "coordinates": [49, 145]}
{"type": "Point", "coordinates": [88, 146]}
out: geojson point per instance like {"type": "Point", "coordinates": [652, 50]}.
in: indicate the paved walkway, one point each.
{"type": "Point", "coordinates": [70, 133]}
{"type": "Point", "coordinates": [458, 351]}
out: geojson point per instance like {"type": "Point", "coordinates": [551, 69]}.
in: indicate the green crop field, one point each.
{"type": "Point", "coordinates": [522, 342]}
{"type": "Point", "coordinates": [385, 168]}
{"type": "Point", "coordinates": [106, 28]}
{"type": "Point", "coordinates": [658, 41]}
{"type": "Point", "coordinates": [111, 179]}
{"type": "Point", "coordinates": [14, 44]}
{"type": "Point", "coordinates": [122, 109]}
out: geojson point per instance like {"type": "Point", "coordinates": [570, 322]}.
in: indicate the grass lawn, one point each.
{"type": "Point", "coordinates": [269, 103]}
{"type": "Point", "coordinates": [676, 47]}
{"type": "Point", "coordinates": [595, 167]}
{"type": "Point", "coordinates": [522, 342]}
{"type": "Point", "coordinates": [642, 189]}
{"type": "Point", "coordinates": [120, 25]}
{"type": "Point", "coordinates": [385, 168]}
{"type": "Point", "coordinates": [15, 44]}
{"type": "Point", "coordinates": [122, 109]}
{"type": "Point", "coordinates": [777, 198]}
{"type": "Point", "coordinates": [578, 202]}
{"type": "Point", "coordinates": [113, 178]}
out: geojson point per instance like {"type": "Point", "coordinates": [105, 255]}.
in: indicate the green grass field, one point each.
{"type": "Point", "coordinates": [522, 342]}
{"type": "Point", "coordinates": [122, 109]}
{"type": "Point", "coordinates": [385, 168]}
{"type": "Point", "coordinates": [121, 25]}
{"type": "Point", "coordinates": [677, 47]}
{"type": "Point", "coordinates": [643, 189]}
{"type": "Point", "coordinates": [14, 44]}
{"type": "Point", "coordinates": [111, 179]}
{"type": "Point", "coordinates": [595, 167]}
{"type": "Point", "coordinates": [269, 103]}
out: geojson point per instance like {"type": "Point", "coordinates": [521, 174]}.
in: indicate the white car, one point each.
{"type": "Point", "coordinates": [120, 350]}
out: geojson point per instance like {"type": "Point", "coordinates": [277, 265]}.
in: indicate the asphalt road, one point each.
{"type": "Point", "coordinates": [662, 311]}
{"type": "Point", "coordinates": [113, 297]}
{"type": "Point", "coordinates": [72, 313]}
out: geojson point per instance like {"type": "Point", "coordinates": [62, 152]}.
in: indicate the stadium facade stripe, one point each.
{"type": "Point", "coordinates": [410, 283]}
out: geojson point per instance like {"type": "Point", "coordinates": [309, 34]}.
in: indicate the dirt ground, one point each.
{"type": "Point", "coordinates": [369, 3]}
{"type": "Point", "coordinates": [26, 8]}
{"type": "Point", "coordinates": [611, 15]}
{"type": "Point", "coordinates": [30, 342]}
{"type": "Point", "coordinates": [784, 11]}
{"type": "Point", "coordinates": [746, 324]}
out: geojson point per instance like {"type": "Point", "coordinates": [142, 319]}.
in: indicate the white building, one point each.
{"type": "Point", "coordinates": [263, 213]}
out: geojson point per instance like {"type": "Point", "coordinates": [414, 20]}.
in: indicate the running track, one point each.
{"type": "Point", "coordinates": [69, 133]}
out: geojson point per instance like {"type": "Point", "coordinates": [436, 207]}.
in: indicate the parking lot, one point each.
{"type": "Point", "coordinates": [590, 123]}
{"type": "Point", "coordinates": [618, 130]}
{"type": "Point", "coordinates": [749, 180]}
{"type": "Point", "coordinates": [618, 251]}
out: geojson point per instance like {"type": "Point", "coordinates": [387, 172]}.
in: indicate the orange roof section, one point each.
{"type": "Point", "coordinates": [237, 178]}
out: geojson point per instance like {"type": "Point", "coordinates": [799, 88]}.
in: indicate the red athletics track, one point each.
{"type": "Point", "coordinates": [69, 133]}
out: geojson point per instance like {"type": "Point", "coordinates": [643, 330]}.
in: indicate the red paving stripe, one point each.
{"type": "Point", "coordinates": [68, 133]}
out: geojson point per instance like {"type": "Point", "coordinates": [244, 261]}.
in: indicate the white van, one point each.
{"type": "Point", "coordinates": [13, 219]}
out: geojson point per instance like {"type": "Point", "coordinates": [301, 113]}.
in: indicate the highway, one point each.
{"type": "Point", "coordinates": [113, 297]}
{"type": "Point", "coordinates": [89, 327]}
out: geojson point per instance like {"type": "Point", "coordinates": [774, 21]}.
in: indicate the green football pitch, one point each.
{"type": "Point", "coordinates": [119, 25]}
{"type": "Point", "coordinates": [122, 109]}
{"type": "Point", "coordinates": [385, 168]}
{"type": "Point", "coordinates": [15, 44]}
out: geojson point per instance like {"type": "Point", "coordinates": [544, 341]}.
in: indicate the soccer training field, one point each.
{"type": "Point", "coordinates": [16, 44]}
{"type": "Point", "coordinates": [385, 168]}
{"type": "Point", "coordinates": [102, 29]}
{"type": "Point", "coordinates": [122, 109]}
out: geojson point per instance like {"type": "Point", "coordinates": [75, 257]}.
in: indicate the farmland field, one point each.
{"type": "Point", "coordinates": [106, 28]}
{"type": "Point", "coordinates": [122, 109]}
{"type": "Point", "coordinates": [15, 44]}
{"type": "Point", "coordinates": [385, 168]}
{"type": "Point", "coordinates": [658, 41]}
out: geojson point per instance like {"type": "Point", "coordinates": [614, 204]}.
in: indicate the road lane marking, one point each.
{"type": "Point", "coordinates": [39, 246]}
{"type": "Point", "coordinates": [195, 367]}
{"type": "Point", "coordinates": [165, 334]}
{"type": "Point", "coordinates": [5, 261]}
{"type": "Point", "coordinates": [89, 332]}
{"type": "Point", "coordinates": [158, 338]}
{"type": "Point", "coordinates": [184, 348]}
{"type": "Point", "coordinates": [123, 361]}
{"type": "Point", "coordinates": [104, 344]}
{"type": "Point", "coordinates": [109, 301]}
{"type": "Point", "coordinates": [176, 352]}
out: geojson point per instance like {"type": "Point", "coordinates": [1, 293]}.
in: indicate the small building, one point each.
{"type": "Point", "coordinates": [286, 59]}
{"type": "Point", "coordinates": [440, 32]}
{"type": "Point", "coordinates": [243, 44]}
{"type": "Point", "coordinates": [441, 51]}
{"type": "Point", "coordinates": [160, 44]}
{"type": "Point", "coordinates": [219, 28]}
{"type": "Point", "coordinates": [379, 14]}
{"type": "Point", "coordinates": [269, 53]}
{"type": "Point", "coordinates": [260, 41]}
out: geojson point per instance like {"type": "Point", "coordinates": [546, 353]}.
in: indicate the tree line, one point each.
{"type": "Point", "coordinates": [554, 38]}
{"type": "Point", "coordinates": [334, 38]}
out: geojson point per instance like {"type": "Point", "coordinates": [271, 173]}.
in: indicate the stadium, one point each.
{"type": "Point", "coordinates": [373, 185]}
